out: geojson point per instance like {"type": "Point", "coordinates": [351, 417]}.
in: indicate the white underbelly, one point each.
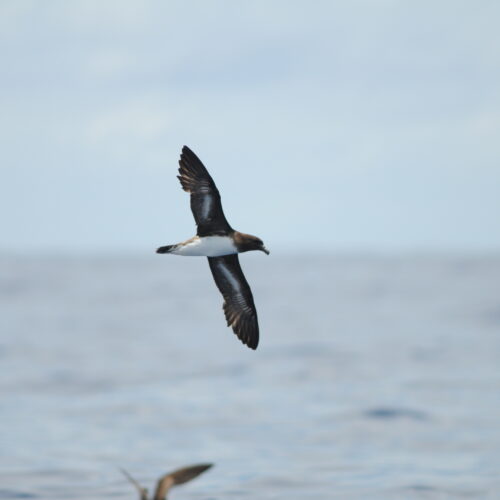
{"type": "Point", "coordinates": [207, 246]}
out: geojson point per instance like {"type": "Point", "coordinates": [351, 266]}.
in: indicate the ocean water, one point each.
{"type": "Point", "coordinates": [376, 378]}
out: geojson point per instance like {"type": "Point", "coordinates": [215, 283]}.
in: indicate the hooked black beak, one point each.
{"type": "Point", "coordinates": [265, 250]}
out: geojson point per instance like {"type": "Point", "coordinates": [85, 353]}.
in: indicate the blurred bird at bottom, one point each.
{"type": "Point", "coordinates": [169, 480]}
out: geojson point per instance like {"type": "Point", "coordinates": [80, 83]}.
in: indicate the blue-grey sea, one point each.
{"type": "Point", "coordinates": [377, 377]}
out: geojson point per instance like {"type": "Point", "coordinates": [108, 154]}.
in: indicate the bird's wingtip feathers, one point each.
{"type": "Point", "coordinates": [185, 474]}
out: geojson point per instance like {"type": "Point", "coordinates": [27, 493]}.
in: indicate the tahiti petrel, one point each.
{"type": "Point", "coordinates": [218, 241]}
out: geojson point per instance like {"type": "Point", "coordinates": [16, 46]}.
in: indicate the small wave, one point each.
{"type": "Point", "coordinates": [387, 413]}
{"type": "Point", "coordinates": [15, 494]}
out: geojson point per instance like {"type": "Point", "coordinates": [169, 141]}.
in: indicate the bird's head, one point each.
{"type": "Point", "coordinates": [247, 242]}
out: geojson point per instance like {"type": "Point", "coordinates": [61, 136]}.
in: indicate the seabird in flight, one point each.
{"type": "Point", "coordinates": [170, 479]}
{"type": "Point", "coordinates": [218, 241]}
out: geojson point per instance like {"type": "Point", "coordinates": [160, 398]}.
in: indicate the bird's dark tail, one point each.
{"type": "Point", "coordinates": [166, 249]}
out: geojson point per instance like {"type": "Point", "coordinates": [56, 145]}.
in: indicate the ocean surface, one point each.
{"type": "Point", "coordinates": [376, 378]}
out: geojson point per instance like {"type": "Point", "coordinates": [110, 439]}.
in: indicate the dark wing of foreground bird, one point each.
{"type": "Point", "coordinates": [239, 307]}
{"type": "Point", "coordinates": [176, 477]}
{"type": "Point", "coordinates": [143, 492]}
{"type": "Point", "coordinates": [205, 198]}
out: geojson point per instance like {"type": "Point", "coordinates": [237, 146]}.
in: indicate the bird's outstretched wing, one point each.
{"type": "Point", "coordinates": [205, 198]}
{"type": "Point", "coordinates": [239, 307]}
{"type": "Point", "coordinates": [176, 477]}
{"type": "Point", "coordinates": [143, 492]}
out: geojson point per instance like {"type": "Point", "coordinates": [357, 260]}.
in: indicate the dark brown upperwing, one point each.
{"type": "Point", "coordinates": [205, 198]}
{"type": "Point", "coordinates": [239, 307]}
{"type": "Point", "coordinates": [176, 477]}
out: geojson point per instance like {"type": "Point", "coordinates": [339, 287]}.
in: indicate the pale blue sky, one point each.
{"type": "Point", "coordinates": [359, 125]}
